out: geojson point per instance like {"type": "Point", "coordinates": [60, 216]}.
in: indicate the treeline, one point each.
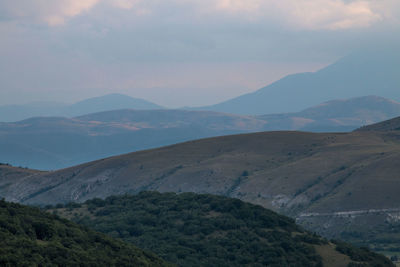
{"type": "Point", "coordinates": [30, 237]}
{"type": "Point", "coordinates": [200, 230]}
{"type": "Point", "coordinates": [206, 230]}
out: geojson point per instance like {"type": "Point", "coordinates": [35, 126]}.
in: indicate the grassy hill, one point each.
{"type": "Point", "coordinates": [207, 230]}
{"type": "Point", "coordinates": [30, 237]}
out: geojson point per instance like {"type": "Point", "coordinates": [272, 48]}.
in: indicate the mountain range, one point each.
{"type": "Point", "coordinates": [365, 72]}
{"type": "Point", "coordinates": [57, 142]}
{"type": "Point", "coordinates": [335, 116]}
{"type": "Point", "coordinates": [50, 143]}
{"type": "Point", "coordinates": [10, 113]}
{"type": "Point", "coordinates": [372, 71]}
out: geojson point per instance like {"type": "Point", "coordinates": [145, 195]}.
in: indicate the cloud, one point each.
{"type": "Point", "coordinates": [125, 4]}
{"type": "Point", "coordinates": [329, 14]}
{"type": "Point", "coordinates": [295, 14]}
{"type": "Point", "coordinates": [305, 14]}
{"type": "Point", "coordinates": [49, 11]}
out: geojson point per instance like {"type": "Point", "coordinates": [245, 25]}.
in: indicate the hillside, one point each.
{"type": "Point", "coordinates": [50, 143]}
{"type": "Point", "coordinates": [366, 72]}
{"type": "Point", "coordinates": [281, 170]}
{"type": "Point", "coordinates": [10, 175]}
{"type": "Point", "coordinates": [10, 113]}
{"type": "Point", "coordinates": [30, 237]}
{"type": "Point", "coordinates": [205, 230]}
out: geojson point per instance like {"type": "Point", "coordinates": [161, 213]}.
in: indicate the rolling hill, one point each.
{"type": "Point", "coordinates": [30, 237]}
{"type": "Point", "coordinates": [50, 143]}
{"type": "Point", "coordinates": [366, 72]}
{"type": "Point", "coordinates": [206, 230]}
{"type": "Point", "coordinates": [10, 113]}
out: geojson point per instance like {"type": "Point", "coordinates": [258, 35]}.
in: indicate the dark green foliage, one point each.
{"type": "Point", "coordinates": [382, 238]}
{"type": "Point", "coordinates": [30, 237]}
{"type": "Point", "coordinates": [362, 255]}
{"type": "Point", "coordinates": [203, 230]}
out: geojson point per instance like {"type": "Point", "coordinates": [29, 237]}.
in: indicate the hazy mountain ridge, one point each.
{"type": "Point", "coordinates": [58, 142]}
{"type": "Point", "coordinates": [365, 72]}
{"type": "Point", "coordinates": [336, 115]}
{"type": "Point", "coordinates": [51, 143]}
{"type": "Point", "coordinates": [11, 113]}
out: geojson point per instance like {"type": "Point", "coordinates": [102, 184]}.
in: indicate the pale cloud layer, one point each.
{"type": "Point", "coordinates": [305, 14]}
{"type": "Point", "coordinates": [48, 11]}
{"type": "Point", "coordinates": [297, 14]}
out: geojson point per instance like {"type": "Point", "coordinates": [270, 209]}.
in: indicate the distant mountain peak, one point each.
{"type": "Point", "coordinates": [107, 102]}
{"type": "Point", "coordinates": [365, 72]}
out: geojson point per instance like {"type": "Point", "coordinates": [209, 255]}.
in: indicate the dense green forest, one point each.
{"type": "Point", "coordinates": [30, 237]}
{"type": "Point", "coordinates": [384, 238]}
{"type": "Point", "coordinates": [205, 230]}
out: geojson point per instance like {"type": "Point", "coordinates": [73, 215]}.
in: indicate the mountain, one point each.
{"type": "Point", "coordinates": [30, 237]}
{"type": "Point", "coordinates": [321, 179]}
{"type": "Point", "coordinates": [50, 143]}
{"type": "Point", "coordinates": [10, 113]}
{"type": "Point", "coordinates": [387, 125]}
{"type": "Point", "coordinates": [336, 115]}
{"type": "Point", "coordinates": [366, 72]}
{"type": "Point", "coordinates": [109, 102]}
{"type": "Point", "coordinates": [206, 230]}
{"type": "Point", "coordinates": [56, 142]}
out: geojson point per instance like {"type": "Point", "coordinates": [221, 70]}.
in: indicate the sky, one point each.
{"type": "Point", "coordinates": [176, 52]}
